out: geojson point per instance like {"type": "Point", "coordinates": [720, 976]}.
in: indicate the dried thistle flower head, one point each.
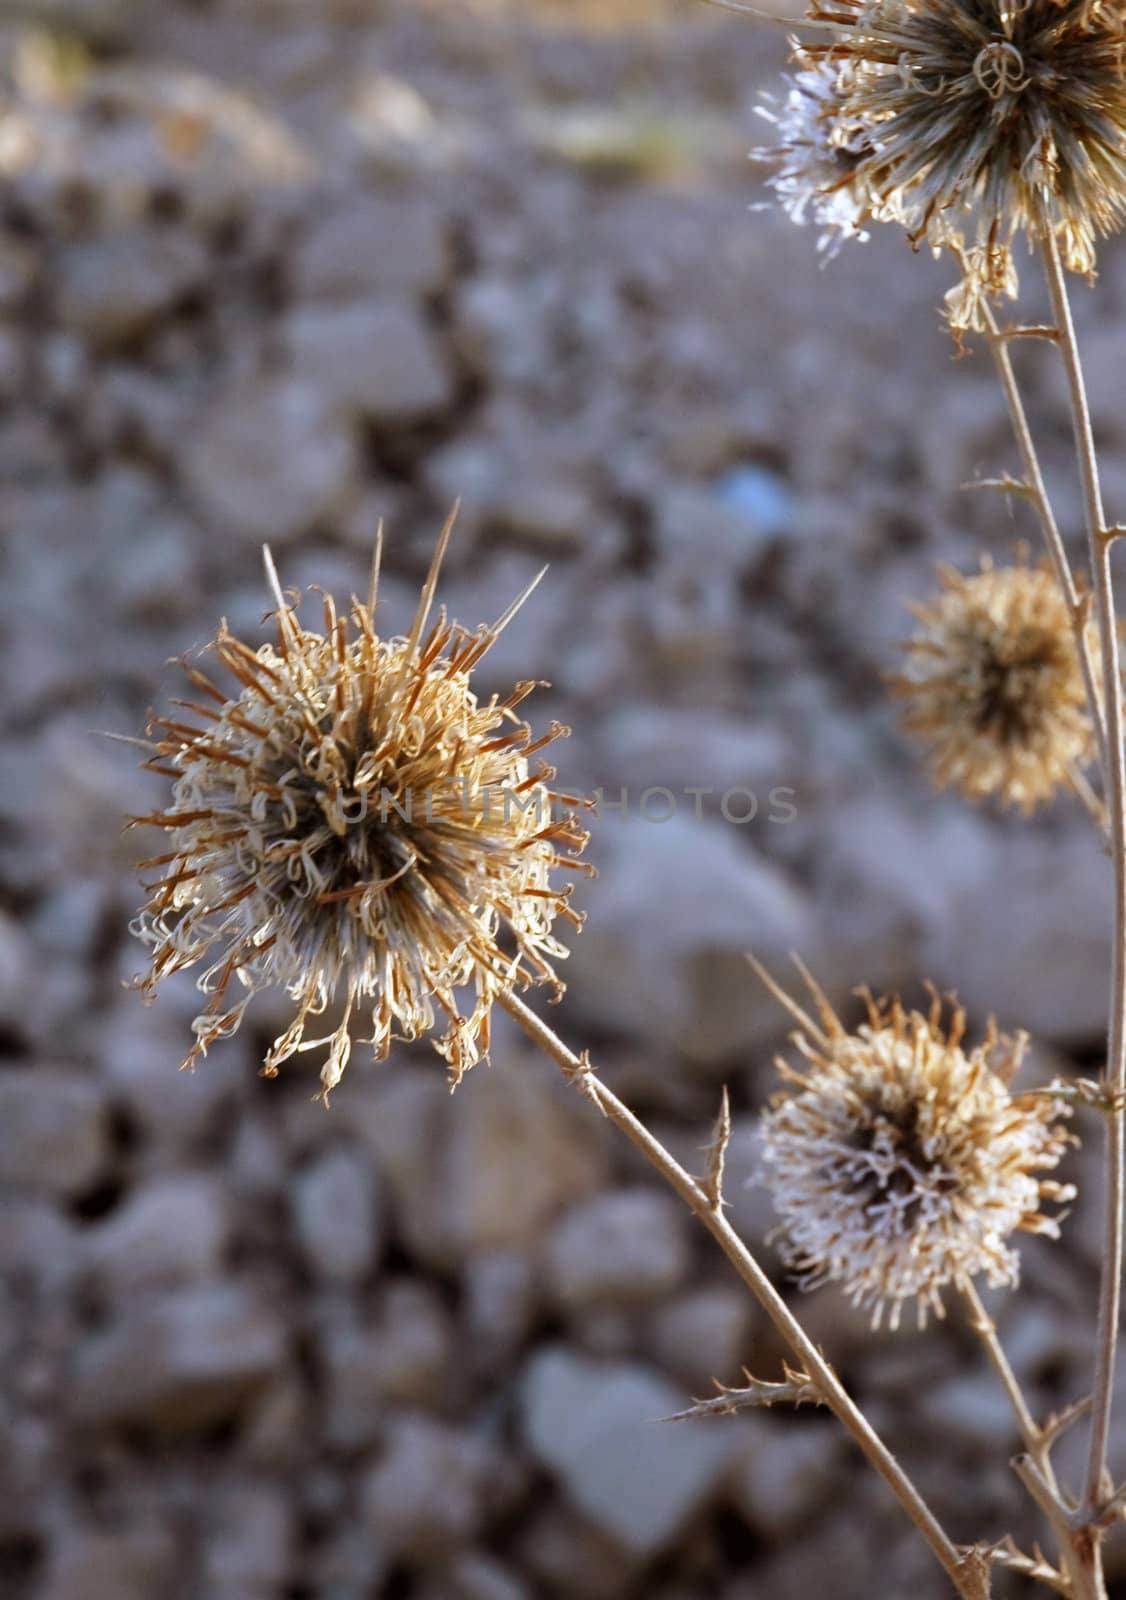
{"type": "Point", "coordinates": [354, 825]}
{"type": "Point", "coordinates": [899, 1162]}
{"type": "Point", "coordinates": [993, 685]}
{"type": "Point", "coordinates": [818, 152]}
{"type": "Point", "coordinates": [983, 118]}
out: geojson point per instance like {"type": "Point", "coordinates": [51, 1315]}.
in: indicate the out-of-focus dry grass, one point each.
{"type": "Point", "coordinates": [600, 15]}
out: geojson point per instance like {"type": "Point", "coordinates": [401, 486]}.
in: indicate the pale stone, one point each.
{"type": "Point", "coordinates": [598, 1428]}
{"type": "Point", "coordinates": [271, 459]}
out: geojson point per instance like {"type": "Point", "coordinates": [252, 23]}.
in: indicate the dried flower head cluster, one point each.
{"type": "Point", "coordinates": [972, 121]}
{"type": "Point", "coordinates": [993, 685]}
{"type": "Point", "coordinates": [356, 826]}
{"type": "Point", "coordinates": [899, 1162]}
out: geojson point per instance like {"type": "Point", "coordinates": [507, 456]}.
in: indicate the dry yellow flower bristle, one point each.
{"type": "Point", "coordinates": [1014, 107]}
{"type": "Point", "coordinates": [355, 826]}
{"type": "Point", "coordinates": [993, 685]}
{"type": "Point", "coordinates": [898, 1161]}
{"type": "Point", "coordinates": [968, 121]}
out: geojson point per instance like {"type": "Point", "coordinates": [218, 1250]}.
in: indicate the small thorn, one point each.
{"type": "Point", "coordinates": [717, 1154]}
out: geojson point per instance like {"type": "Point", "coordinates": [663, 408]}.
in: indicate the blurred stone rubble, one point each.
{"type": "Point", "coordinates": [276, 271]}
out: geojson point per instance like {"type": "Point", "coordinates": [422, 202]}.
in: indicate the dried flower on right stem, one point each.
{"type": "Point", "coordinates": [993, 685]}
{"type": "Point", "coordinates": [898, 1161]}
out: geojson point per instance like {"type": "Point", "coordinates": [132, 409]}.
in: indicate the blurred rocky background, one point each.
{"type": "Point", "coordinates": [275, 270]}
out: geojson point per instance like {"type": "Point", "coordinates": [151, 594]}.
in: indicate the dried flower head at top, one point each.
{"type": "Point", "coordinates": [898, 1160]}
{"type": "Point", "coordinates": [982, 119]}
{"type": "Point", "coordinates": [993, 687]}
{"type": "Point", "coordinates": [354, 825]}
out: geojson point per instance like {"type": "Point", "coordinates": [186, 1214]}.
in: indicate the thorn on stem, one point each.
{"type": "Point", "coordinates": [717, 1154]}
{"type": "Point", "coordinates": [796, 1389]}
{"type": "Point", "coordinates": [1005, 484]}
{"type": "Point", "coordinates": [581, 1077]}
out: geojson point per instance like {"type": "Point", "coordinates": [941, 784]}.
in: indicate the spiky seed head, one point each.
{"type": "Point", "coordinates": [899, 1161]}
{"type": "Point", "coordinates": [982, 119]}
{"type": "Point", "coordinates": [351, 823]}
{"type": "Point", "coordinates": [993, 687]}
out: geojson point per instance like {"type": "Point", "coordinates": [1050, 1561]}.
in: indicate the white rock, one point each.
{"type": "Point", "coordinates": [552, 510]}
{"type": "Point", "coordinates": [599, 1429]}
{"type": "Point", "coordinates": [337, 1215]}
{"type": "Point", "coordinates": [428, 1493]}
{"type": "Point", "coordinates": [653, 745]}
{"type": "Point", "coordinates": [568, 1555]}
{"type": "Point", "coordinates": [703, 896]}
{"type": "Point", "coordinates": [625, 1247]}
{"type": "Point", "coordinates": [374, 246]}
{"type": "Point", "coordinates": [500, 1301]}
{"type": "Point", "coordinates": [271, 459]}
{"type": "Point", "coordinates": [16, 963]}
{"type": "Point", "coordinates": [173, 1229]}
{"type": "Point", "coordinates": [13, 364]}
{"type": "Point", "coordinates": [54, 1135]}
{"type": "Point", "coordinates": [140, 1049]}
{"type": "Point", "coordinates": [112, 289]}
{"type": "Point", "coordinates": [703, 1335]}
{"type": "Point", "coordinates": [381, 361]}
{"type": "Point", "coordinates": [349, 1564]}
{"type": "Point", "coordinates": [376, 361]}
{"type": "Point", "coordinates": [416, 1344]}
{"type": "Point", "coordinates": [179, 1361]}
{"type": "Point", "coordinates": [784, 1471]}
{"type": "Point", "coordinates": [476, 1577]}
{"type": "Point", "coordinates": [487, 1168]}
{"type": "Point", "coordinates": [92, 1565]}
{"type": "Point", "coordinates": [1029, 940]}
{"type": "Point", "coordinates": [973, 1408]}
{"type": "Point", "coordinates": [250, 1540]}
{"type": "Point", "coordinates": [405, 1353]}
{"type": "Point", "coordinates": [39, 1246]}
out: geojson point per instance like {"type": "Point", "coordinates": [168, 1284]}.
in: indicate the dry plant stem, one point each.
{"type": "Point", "coordinates": [986, 1329]}
{"type": "Point", "coordinates": [1110, 1294]}
{"type": "Point", "coordinates": [1057, 553]}
{"type": "Point", "coordinates": [710, 1212]}
{"type": "Point", "coordinates": [1036, 1469]}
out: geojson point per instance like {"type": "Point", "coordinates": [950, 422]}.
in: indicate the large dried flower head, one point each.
{"type": "Point", "coordinates": [982, 119]}
{"type": "Point", "coordinates": [899, 1161]}
{"type": "Point", "coordinates": [354, 825]}
{"type": "Point", "coordinates": [993, 685]}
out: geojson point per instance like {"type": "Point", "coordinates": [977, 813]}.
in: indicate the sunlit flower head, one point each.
{"type": "Point", "coordinates": [352, 824]}
{"type": "Point", "coordinates": [818, 152]}
{"type": "Point", "coordinates": [1012, 112]}
{"type": "Point", "coordinates": [898, 1160]}
{"type": "Point", "coordinates": [969, 121]}
{"type": "Point", "coordinates": [992, 685]}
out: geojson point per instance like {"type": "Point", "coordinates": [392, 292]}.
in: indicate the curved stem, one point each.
{"type": "Point", "coordinates": [709, 1209]}
{"type": "Point", "coordinates": [986, 1329]}
{"type": "Point", "coordinates": [1110, 1292]}
{"type": "Point", "coordinates": [1057, 552]}
{"type": "Point", "coordinates": [1035, 1468]}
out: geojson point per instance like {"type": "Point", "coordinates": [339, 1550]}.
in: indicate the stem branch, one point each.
{"type": "Point", "coordinates": [577, 1070]}
{"type": "Point", "coordinates": [1034, 1468]}
{"type": "Point", "coordinates": [1057, 552]}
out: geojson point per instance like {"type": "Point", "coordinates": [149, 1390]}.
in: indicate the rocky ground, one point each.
{"type": "Point", "coordinates": [277, 271]}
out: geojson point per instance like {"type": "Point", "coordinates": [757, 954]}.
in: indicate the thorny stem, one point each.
{"type": "Point", "coordinates": [1057, 552]}
{"type": "Point", "coordinates": [1083, 1583]}
{"type": "Point", "coordinates": [709, 1210]}
{"type": "Point", "coordinates": [1110, 1292]}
